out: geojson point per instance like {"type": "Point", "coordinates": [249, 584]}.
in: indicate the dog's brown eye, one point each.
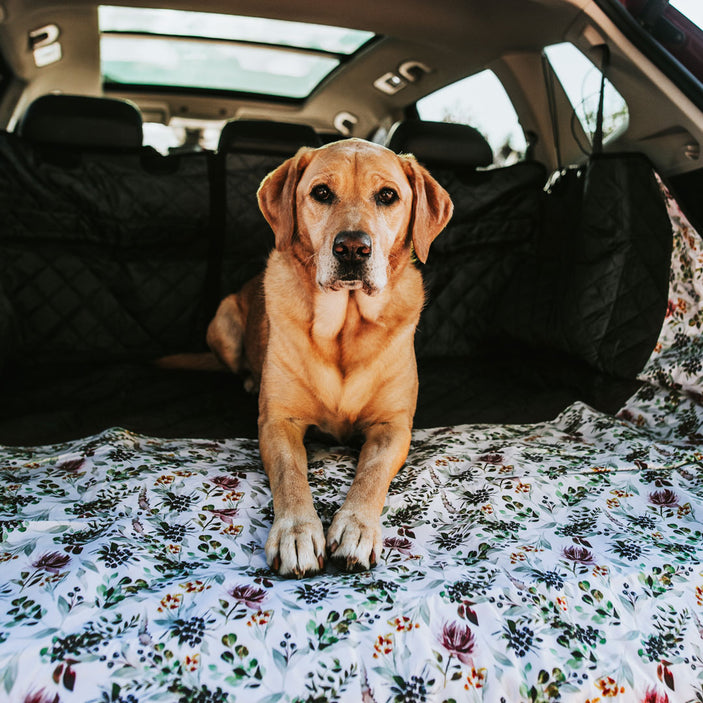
{"type": "Point", "coordinates": [322, 193]}
{"type": "Point", "coordinates": [386, 196]}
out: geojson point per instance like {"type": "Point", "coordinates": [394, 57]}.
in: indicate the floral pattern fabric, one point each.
{"type": "Point", "coordinates": [670, 403]}
{"type": "Point", "coordinates": [559, 561]}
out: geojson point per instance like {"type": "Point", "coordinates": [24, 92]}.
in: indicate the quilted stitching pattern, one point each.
{"type": "Point", "coordinates": [622, 281]}
{"type": "Point", "coordinates": [595, 283]}
{"type": "Point", "coordinates": [248, 237]}
{"type": "Point", "coordinates": [105, 256]}
{"type": "Point", "coordinates": [470, 263]}
{"type": "Point", "coordinates": [102, 255]}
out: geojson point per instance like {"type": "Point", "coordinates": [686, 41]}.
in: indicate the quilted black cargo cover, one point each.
{"type": "Point", "coordinates": [535, 299]}
{"type": "Point", "coordinates": [496, 219]}
{"type": "Point", "coordinates": [594, 283]}
{"type": "Point", "coordinates": [102, 256]}
{"type": "Point", "coordinates": [52, 403]}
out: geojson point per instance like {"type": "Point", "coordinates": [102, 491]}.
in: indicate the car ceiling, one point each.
{"type": "Point", "coordinates": [453, 37]}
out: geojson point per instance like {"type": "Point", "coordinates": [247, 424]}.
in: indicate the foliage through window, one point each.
{"type": "Point", "coordinates": [480, 101]}
{"type": "Point", "coordinates": [581, 81]}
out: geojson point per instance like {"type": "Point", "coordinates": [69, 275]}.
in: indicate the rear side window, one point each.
{"type": "Point", "coordinates": [182, 135]}
{"type": "Point", "coordinates": [481, 102]}
{"type": "Point", "coordinates": [581, 81]}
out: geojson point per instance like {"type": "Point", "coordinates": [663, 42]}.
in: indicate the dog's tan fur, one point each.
{"type": "Point", "coordinates": [330, 352]}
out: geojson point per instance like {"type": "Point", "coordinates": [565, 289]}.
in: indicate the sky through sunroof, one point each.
{"type": "Point", "coordinates": [142, 46]}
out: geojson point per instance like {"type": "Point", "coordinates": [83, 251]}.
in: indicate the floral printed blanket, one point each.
{"type": "Point", "coordinates": [559, 561]}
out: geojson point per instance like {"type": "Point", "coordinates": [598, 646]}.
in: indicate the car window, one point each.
{"type": "Point", "coordinates": [581, 81]}
{"type": "Point", "coordinates": [480, 101]}
{"type": "Point", "coordinates": [693, 9]}
{"type": "Point", "coordinates": [199, 50]}
{"type": "Point", "coordinates": [182, 135]}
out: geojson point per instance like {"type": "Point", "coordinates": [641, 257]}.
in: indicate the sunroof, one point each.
{"type": "Point", "coordinates": [174, 48]}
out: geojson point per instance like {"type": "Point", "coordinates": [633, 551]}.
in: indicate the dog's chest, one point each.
{"type": "Point", "coordinates": [349, 346]}
{"type": "Point", "coordinates": [340, 399]}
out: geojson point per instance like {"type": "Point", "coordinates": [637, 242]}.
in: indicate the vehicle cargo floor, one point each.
{"type": "Point", "coordinates": [52, 404]}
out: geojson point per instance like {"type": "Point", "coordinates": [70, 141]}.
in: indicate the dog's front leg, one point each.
{"type": "Point", "coordinates": [354, 537]}
{"type": "Point", "coordinates": [296, 542]}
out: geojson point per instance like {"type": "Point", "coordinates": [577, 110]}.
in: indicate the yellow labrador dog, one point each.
{"type": "Point", "coordinates": [327, 331]}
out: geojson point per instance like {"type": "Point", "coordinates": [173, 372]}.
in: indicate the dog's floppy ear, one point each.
{"type": "Point", "coordinates": [276, 196]}
{"type": "Point", "coordinates": [432, 206]}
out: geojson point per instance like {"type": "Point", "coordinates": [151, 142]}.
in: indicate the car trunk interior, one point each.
{"type": "Point", "coordinates": [543, 538]}
{"type": "Point", "coordinates": [113, 255]}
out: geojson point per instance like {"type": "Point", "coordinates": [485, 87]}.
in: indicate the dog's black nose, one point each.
{"type": "Point", "coordinates": [352, 247]}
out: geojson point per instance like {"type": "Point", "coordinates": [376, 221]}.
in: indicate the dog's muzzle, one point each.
{"type": "Point", "coordinates": [352, 252]}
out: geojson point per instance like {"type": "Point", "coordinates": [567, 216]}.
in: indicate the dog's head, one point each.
{"type": "Point", "coordinates": [352, 209]}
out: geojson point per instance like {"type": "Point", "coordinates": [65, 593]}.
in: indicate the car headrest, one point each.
{"type": "Point", "coordinates": [441, 143]}
{"type": "Point", "coordinates": [82, 121]}
{"type": "Point", "coordinates": [266, 137]}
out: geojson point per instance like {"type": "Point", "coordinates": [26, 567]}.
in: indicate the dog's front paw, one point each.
{"type": "Point", "coordinates": [354, 541]}
{"type": "Point", "coordinates": [296, 546]}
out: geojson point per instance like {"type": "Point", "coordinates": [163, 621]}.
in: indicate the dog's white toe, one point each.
{"type": "Point", "coordinates": [296, 546]}
{"type": "Point", "coordinates": [354, 541]}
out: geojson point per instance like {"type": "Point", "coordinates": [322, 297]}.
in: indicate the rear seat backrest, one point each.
{"type": "Point", "coordinates": [442, 144]}
{"type": "Point", "coordinates": [248, 150]}
{"type": "Point", "coordinates": [103, 246]}
{"type": "Point", "coordinates": [496, 215]}
{"type": "Point", "coordinates": [82, 122]}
